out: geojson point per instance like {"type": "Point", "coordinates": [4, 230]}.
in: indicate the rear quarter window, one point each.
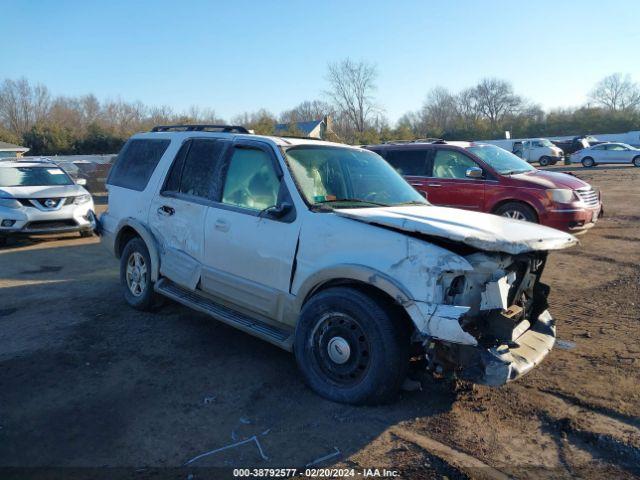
{"type": "Point", "coordinates": [136, 162]}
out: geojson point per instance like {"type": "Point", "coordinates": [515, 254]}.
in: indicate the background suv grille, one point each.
{"type": "Point", "coordinates": [50, 224]}
{"type": "Point", "coordinates": [588, 196]}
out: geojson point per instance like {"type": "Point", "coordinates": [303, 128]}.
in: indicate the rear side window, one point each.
{"type": "Point", "coordinates": [409, 162]}
{"type": "Point", "coordinates": [195, 170]}
{"type": "Point", "coordinates": [136, 162]}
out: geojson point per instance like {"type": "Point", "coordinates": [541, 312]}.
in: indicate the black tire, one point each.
{"type": "Point", "coordinates": [587, 162]}
{"type": "Point", "coordinates": [3, 241]}
{"type": "Point", "coordinates": [86, 233]}
{"type": "Point", "coordinates": [636, 161]}
{"type": "Point", "coordinates": [142, 298]}
{"type": "Point", "coordinates": [544, 161]}
{"type": "Point", "coordinates": [377, 357]}
{"type": "Point", "coordinates": [517, 211]}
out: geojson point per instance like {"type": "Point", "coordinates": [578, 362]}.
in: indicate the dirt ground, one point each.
{"type": "Point", "coordinates": [85, 381]}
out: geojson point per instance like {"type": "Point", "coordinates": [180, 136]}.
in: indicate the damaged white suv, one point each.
{"type": "Point", "coordinates": [324, 250]}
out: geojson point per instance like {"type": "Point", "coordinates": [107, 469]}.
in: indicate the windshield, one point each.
{"type": "Point", "coordinates": [33, 176]}
{"type": "Point", "coordinates": [348, 178]}
{"type": "Point", "coordinates": [503, 162]}
{"type": "Point", "coordinates": [545, 143]}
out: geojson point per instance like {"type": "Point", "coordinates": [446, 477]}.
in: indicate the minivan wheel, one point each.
{"type": "Point", "coordinates": [135, 275]}
{"type": "Point", "coordinates": [636, 161]}
{"type": "Point", "coordinates": [517, 211]}
{"type": "Point", "coordinates": [350, 348]}
{"type": "Point", "coordinates": [544, 161]}
{"type": "Point", "coordinates": [588, 162]}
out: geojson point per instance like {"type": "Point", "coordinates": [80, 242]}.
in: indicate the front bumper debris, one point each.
{"type": "Point", "coordinates": [499, 365]}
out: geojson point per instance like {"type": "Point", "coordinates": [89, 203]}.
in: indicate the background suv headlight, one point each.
{"type": "Point", "coordinates": [80, 199]}
{"type": "Point", "coordinates": [561, 195]}
{"type": "Point", "coordinates": [9, 203]}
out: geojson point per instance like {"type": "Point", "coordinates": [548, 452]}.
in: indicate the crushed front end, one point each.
{"type": "Point", "coordinates": [506, 315]}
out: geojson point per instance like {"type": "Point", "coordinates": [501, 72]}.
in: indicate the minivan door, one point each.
{"type": "Point", "coordinates": [249, 253]}
{"type": "Point", "coordinates": [178, 211]}
{"type": "Point", "coordinates": [449, 185]}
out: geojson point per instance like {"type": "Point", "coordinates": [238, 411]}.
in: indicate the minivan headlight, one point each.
{"type": "Point", "coordinates": [561, 195]}
{"type": "Point", "coordinates": [9, 203]}
{"type": "Point", "coordinates": [80, 199]}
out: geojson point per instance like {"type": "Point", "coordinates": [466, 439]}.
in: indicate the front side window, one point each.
{"type": "Point", "coordinates": [33, 177]}
{"type": "Point", "coordinates": [136, 162]}
{"type": "Point", "coordinates": [251, 181]}
{"type": "Point", "coordinates": [408, 162]}
{"type": "Point", "coordinates": [451, 164]}
{"type": "Point", "coordinates": [348, 178]}
{"type": "Point", "coordinates": [503, 162]}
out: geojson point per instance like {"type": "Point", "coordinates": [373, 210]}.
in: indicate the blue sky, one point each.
{"type": "Point", "coordinates": [237, 56]}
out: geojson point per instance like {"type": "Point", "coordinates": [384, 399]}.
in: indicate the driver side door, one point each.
{"type": "Point", "coordinates": [248, 253]}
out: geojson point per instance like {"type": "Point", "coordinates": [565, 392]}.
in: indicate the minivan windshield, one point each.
{"type": "Point", "coordinates": [503, 162]}
{"type": "Point", "coordinates": [33, 176]}
{"type": "Point", "coordinates": [545, 142]}
{"type": "Point", "coordinates": [348, 178]}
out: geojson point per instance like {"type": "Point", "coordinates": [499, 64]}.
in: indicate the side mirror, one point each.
{"type": "Point", "coordinates": [279, 211]}
{"type": "Point", "coordinates": [474, 172]}
{"type": "Point", "coordinates": [81, 181]}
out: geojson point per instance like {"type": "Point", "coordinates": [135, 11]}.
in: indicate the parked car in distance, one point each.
{"type": "Point", "coordinates": [39, 197]}
{"type": "Point", "coordinates": [607, 153]}
{"type": "Point", "coordinates": [486, 178]}
{"type": "Point", "coordinates": [575, 144]}
{"type": "Point", "coordinates": [325, 250]}
{"type": "Point", "coordinates": [532, 150]}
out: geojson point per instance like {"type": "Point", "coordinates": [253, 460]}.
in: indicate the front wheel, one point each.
{"type": "Point", "coordinates": [135, 275]}
{"type": "Point", "coordinates": [517, 211]}
{"type": "Point", "coordinates": [636, 161]}
{"type": "Point", "coordinates": [544, 161]}
{"type": "Point", "coordinates": [86, 233]}
{"type": "Point", "coordinates": [350, 347]}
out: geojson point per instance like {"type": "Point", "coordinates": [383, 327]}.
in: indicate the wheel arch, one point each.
{"type": "Point", "coordinates": [367, 280]}
{"type": "Point", "coordinates": [131, 228]}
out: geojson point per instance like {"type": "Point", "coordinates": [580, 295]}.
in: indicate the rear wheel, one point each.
{"type": "Point", "coordinates": [588, 162]}
{"type": "Point", "coordinates": [86, 233]}
{"type": "Point", "coordinates": [517, 211]}
{"type": "Point", "coordinates": [135, 275]}
{"type": "Point", "coordinates": [350, 347]}
{"type": "Point", "coordinates": [544, 161]}
{"type": "Point", "coordinates": [636, 161]}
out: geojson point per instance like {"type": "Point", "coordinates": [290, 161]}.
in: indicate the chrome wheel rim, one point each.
{"type": "Point", "coordinates": [515, 215]}
{"type": "Point", "coordinates": [136, 274]}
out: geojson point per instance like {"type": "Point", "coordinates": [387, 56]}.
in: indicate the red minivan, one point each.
{"type": "Point", "coordinates": [476, 176]}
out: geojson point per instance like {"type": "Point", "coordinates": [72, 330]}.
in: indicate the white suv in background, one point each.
{"type": "Point", "coordinates": [39, 197]}
{"type": "Point", "coordinates": [325, 250]}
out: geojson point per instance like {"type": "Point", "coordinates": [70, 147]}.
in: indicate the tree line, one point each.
{"type": "Point", "coordinates": [31, 116]}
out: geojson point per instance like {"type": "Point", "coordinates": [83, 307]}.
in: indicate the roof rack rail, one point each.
{"type": "Point", "coordinates": [417, 140]}
{"type": "Point", "coordinates": [201, 128]}
{"type": "Point", "coordinates": [27, 160]}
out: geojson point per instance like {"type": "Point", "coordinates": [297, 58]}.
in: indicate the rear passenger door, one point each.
{"type": "Point", "coordinates": [178, 211]}
{"type": "Point", "coordinates": [249, 254]}
{"type": "Point", "coordinates": [449, 185]}
{"type": "Point", "coordinates": [413, 164]}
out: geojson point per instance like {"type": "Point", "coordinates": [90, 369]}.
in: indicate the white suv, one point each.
{"type": "Point", "coordinates": [324, 250]}
{"type": "Point", "coordinates": [39, 197]}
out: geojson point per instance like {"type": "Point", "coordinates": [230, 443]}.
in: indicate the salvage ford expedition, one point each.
{"type": "Point", "coordinates": [326, 251]}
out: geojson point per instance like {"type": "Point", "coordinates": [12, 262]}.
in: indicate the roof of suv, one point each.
{"type": "Point", "coordinates": [17, 162]}
{"type": "Point", "coordinates": [233, 132]}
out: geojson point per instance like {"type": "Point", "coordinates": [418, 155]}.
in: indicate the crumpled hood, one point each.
{"type": "Point", "coordinates": [54, 191]}
{"type": "Point", "coordinates": [479, 230]}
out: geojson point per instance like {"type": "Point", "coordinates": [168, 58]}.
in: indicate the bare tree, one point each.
{"type": "Point", "coordinates": [307, 110]}
{"type": "Point", "coordinates": [616, 92]}
{"type": "Point", "coordinates": [467, 107]}
{"type": "Point", "coordinates": [438, 113]}
{"type": "Point", "coordinates": [495, 99]}
{"type": "Point", "coordinates": [351, 89]}
{"type": "Point", "coordinates": [22, 105]}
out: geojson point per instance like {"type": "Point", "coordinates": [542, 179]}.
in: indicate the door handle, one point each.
{"type": "Point", "coordinates": [166, 211]}
{"type": "Point", "coordinates": [222, 225]}
{"type": "Point", "coordinates": [434, 184]}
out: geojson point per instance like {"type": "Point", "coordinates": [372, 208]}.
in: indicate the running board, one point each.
{"type": "Point", "coordinates": [277, 336]}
